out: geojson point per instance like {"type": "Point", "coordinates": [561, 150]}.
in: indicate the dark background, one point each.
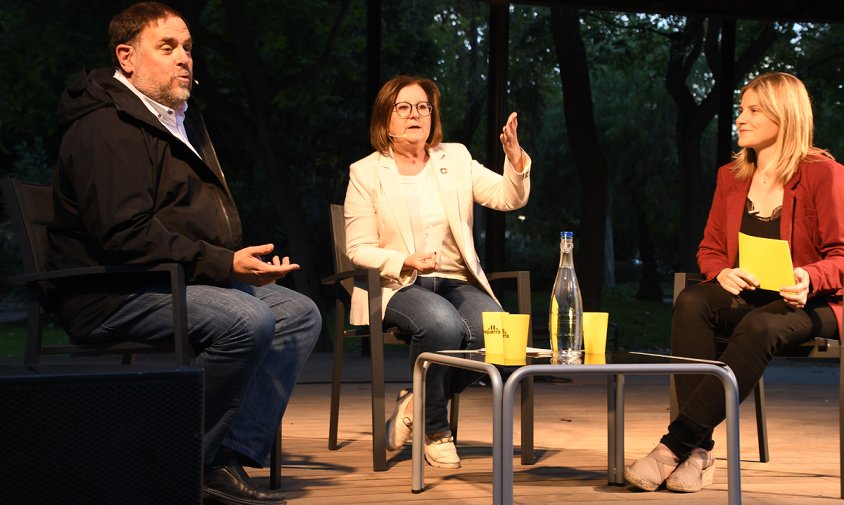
{"type": "Point", "coordinates": [618, 109]}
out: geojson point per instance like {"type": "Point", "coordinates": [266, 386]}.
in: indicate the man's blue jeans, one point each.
{"type": "Point", "coordinates": [437, 314]}
{"type": "Point", "coordinates": [252, 343]}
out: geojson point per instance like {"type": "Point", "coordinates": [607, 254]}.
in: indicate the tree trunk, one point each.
{"type": "Point", "coordinates": [649, 282]}
{"type": "Point", "coordinates": [700, 35]}
{"type": "Point", "coordinates": [588, 155]}
{"type": "Point", "coordinates": [692, 189]}
{"type": "Point", "coordinates": [261, 128]}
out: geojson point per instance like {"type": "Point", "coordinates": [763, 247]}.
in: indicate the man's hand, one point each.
{"type": "Point", "coordinates": [249, 266]}
{"type": "Point", "coordinates": [736, 280]}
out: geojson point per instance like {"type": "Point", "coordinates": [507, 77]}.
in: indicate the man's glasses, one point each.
{"type": "Point", "coordinates": [404, 109]}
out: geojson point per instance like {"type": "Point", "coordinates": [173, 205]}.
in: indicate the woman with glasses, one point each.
{"type": "Point", "coordinates": [778, 186]}
{"type": "Point", "coordinates": [408, 213]}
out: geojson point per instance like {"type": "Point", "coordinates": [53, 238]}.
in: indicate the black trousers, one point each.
{"type": "Point", "coordinates": [756, 324]}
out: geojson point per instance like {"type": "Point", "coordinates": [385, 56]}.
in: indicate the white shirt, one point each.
{"type": "Point", "coordinates": [173, 120]}
{"type": "Point", "coordinates": [431, 232]}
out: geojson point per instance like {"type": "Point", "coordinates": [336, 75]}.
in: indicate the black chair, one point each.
{"type": "Point", "coordinates": [817, 348]}
{"type": "Point", "coordinates": [343, 280]}
{"type": "Point", "coordinates": [30, 209]}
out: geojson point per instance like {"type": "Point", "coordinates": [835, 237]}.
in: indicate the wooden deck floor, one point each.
{"type": "Point", "coordinates": [571, 447]}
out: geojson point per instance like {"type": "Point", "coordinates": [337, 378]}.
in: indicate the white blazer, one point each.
{"type": "Point", "coordinates": [378, 228]}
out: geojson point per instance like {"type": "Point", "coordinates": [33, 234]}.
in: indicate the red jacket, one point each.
{"type": "Point", "coordinates": [812, 222]}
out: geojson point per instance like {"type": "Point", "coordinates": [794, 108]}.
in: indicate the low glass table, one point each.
{"type": "Point", "coordinates": [615, 366]}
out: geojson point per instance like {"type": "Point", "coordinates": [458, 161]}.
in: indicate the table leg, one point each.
{"type": "Point", "coordinates": [733, 459]}
{"type": "Point", "coordinates": [420, 370]}
{"type": "Point", "coordinates": [615, 430]}
{"type": "Point", "coordinates": [528, 457]}
{"type": "Point", "coordinates": [498, 456]}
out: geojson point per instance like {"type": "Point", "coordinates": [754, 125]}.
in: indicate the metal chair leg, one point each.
{"type": "Point", "coordinates": [761, 421]}
{"type": "Point", "coordinates": [453, 413]}
{"type": "Point", "coordinates": [275, 461]}
{"type": "Point", "coordinates": [336, 379]}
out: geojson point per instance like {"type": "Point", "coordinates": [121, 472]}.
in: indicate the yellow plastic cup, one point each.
{"type": "Point", "coordinates": [493, 332]}
{"type": "Point", "coordinates": [595, 332]}
{"type": "Point", "coordinates": [515, 338]}
{"type": "Point", "coordinates": [594, 359]}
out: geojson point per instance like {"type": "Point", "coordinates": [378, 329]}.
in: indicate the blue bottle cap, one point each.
{"type": "Point", "coordinates": [566, 234]}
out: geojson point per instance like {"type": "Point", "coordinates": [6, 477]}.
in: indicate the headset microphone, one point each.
{"type": "Point", "coordinates": [395, 136]}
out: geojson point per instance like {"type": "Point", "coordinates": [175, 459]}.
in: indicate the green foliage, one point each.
{"type": "Point", "coordinates": [298, 106]}
{"type": "Point", "coordinates": [819, 62]}
{"type": "Point", "coordinates": [641, 325]}
{"type": "Point", "coordinates": [315, 113]}
{"type": "Point", "coordinates": [41, 45]}
{"type": "Point", "coordinates": [13, 338]}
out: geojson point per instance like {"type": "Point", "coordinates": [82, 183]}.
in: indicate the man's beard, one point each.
{"type": "Point", "coordinates": [173, 97]}
{"type": "Point", "coordinates": [170, 93]}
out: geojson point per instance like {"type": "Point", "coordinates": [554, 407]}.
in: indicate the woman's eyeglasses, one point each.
{"type": "Point", "coordinates": [404, 109]}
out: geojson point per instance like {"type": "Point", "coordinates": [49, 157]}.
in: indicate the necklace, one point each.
{"type": "Point", "coordinates": [764, 176]}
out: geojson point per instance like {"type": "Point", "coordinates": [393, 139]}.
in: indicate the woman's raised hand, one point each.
{"type": "Point", "coordinates": [510, 141]}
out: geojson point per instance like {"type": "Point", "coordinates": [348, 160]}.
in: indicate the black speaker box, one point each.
{"type": "Point", "coordinates": [117, 435]}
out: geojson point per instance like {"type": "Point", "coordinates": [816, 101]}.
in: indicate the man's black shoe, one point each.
{"type": "Point", "coordinates": [229, 485]}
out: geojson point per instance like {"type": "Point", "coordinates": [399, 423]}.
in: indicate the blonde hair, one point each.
{"type": "Point", "coordinates": [784, 100]}
{"type": "Point", "coordinates": [384, 104]}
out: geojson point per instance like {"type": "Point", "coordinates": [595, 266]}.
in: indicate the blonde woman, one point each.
{"type": "Point", "coordinates": [778, 186]}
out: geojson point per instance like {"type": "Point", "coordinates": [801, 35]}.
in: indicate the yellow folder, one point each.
{"type": "Point", "coordinates": [769, 260]}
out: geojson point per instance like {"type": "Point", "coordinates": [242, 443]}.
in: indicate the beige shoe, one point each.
{"type": "Point", "coordinates": [650, 472]}
{"type": "Point", "coordinates": [440, 451]}
{"type": "Point", "coordinates": [400, 425]}
{"type": "Point", "coordinates": [694, 473]}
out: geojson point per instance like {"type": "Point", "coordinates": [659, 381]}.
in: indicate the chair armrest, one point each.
{"type": "Point", "coordinates": [683, 279]}
{"type": "Point", "coordinates": [348, 274]}
{"type": "Point", "coordinates": [175, 272]}
{"type": "Point", "coordinates": [69, 273]}
{"type": "Point", "coordinates": [372, 284]}
{"type": "Point", "coordinates": [518, 275]}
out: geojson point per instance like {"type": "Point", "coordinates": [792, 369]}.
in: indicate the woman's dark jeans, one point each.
{"type": "Point", "coordinates": [758, 324]}
{"type": "Point", "coordinates": [437, 314]}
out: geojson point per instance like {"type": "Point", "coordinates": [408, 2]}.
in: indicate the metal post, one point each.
{"type": "Point", "coordinates": [725, 94]}
{"type": "Point", "coordinates": [499, 35]}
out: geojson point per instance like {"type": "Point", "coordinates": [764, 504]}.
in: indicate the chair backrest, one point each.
{"type": "Point", "coordinates": [338, 242]}
{"type": "Point", "coordinates": [30, 208]}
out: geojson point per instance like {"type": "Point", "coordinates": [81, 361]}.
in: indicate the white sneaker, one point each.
{"type": "Point", "coordinates": [440, 451]}
{"type": "Point", "coordinates": [400, 425]}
